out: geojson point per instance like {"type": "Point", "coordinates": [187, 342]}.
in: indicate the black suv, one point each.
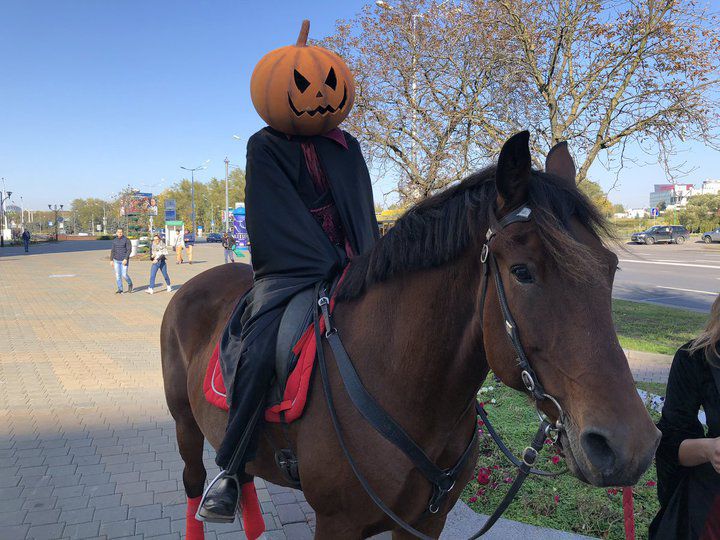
{"type": "Point", "coordinates": [662, 233]}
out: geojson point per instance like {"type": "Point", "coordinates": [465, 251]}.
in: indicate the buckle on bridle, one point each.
{"type": "Point", "coordinates": [484, 253]}
{"type": "Point", "coordinates": [528, 380]}
{"type": "Point", "coordinates": [323, 301]}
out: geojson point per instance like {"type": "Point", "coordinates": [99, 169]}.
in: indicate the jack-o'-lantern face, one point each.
{"type": "Point", "coordinates": [302, 90]}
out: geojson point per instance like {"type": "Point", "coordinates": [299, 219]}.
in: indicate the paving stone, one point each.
{"type": "Point", "coordinates": [105, 501]}
{"type": "Point", "coordinates": [79, 515]}
{"type": "Point", "coordinates": [138, 499]}
{"type": "Point", "coordinates": [298, 531]}
{"type": "Point", "coordinates": [290, 513]}
{"type": "Point", "coordinates": [131, 487]}
{"type": "Point", "coordinates": [100, 490]}
{"type": "Point", "coordinates": [39, 504]}
{"type": "Point", "coordinates": [113, 513]}
{"type": "Point", "coordinates": [42, 517]}
{"type": "Point", "coordinates": [145, 513]}
{"type": "Point", "coordinates": [153, 527]}
{"type": "Point", "coordinates": [15, 532]}
{"type": "Point", "coordinates": [118, 529]}
{"type": "Point", "coordinates": [46, 532]}
{"type": "Point", "coordinates": [73, 503]}
{"type": "Point", "coordinates": [155, 476]}
{"type": "Point", "coordinates": [287, 497]}
{"type": "Point", "coordinates": [82, 530]}
{"type": "Point", "coordinates": [12, 518]}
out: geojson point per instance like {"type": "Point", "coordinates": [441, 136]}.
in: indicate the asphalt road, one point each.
{"type": "Point", "coordinates": [685, 276]}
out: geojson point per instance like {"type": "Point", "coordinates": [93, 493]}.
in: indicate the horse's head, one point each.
{"type": "Point", "coordinates": [557, 278]}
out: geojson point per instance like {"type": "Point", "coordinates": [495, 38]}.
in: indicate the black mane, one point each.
{"type": "Point", "coordinates": [440, 228]}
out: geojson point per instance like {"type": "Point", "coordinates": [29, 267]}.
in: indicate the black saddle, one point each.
{"type": "Point", "coordinates": [295, 320]}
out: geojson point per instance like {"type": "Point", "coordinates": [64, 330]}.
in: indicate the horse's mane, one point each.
{"type": "Point", "coordinates": [440, 228]}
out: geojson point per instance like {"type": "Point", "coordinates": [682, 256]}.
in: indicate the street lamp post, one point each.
{"type": "Point", "coordinates": [192, 191]}
{"type": "Point", "coordinates": [227, 199]}
{"type": "Point", "coordinates": [3, 198]}
{"type": "Point", "coordinates": [56, 210]}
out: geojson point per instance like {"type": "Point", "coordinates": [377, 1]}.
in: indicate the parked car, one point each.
{"type": "Point", "coordinates": [712, 236]}
{"type": "Point", "coordinates": [662, 233]}
{"type": "Point", "coordinates": [214, 237]}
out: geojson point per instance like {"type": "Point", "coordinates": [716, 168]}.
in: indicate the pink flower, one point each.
{"type": "Point", "coordinates": [472, 499]}
{"type": "Point", "coordinates": [496, 467]}
{"type": "Point", "coordinates": [548, 441]}
{"type": "Point", "coordinates": [555, 459]}
{"type": "Point", "coordinates": [651, 483]}
{"type": "Point", "coordinates": [481, 423]}
{"type": "Point", "coordinates": [557, 499]}
{"type": "Point", "coordinates": [494, 485]}
{"type": "Point", "coordinates": [480, 492]}
{"type": "Point", "coordinates": [612, 491]}
{"type": "Point", "coordinates": [508, 479]}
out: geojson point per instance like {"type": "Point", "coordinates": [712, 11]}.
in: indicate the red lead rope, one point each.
{"type": "Point", "coordinates": [628, 513]}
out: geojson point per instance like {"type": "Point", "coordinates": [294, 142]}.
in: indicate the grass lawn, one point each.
{"type": "Point", "coordinates": [562, 503]}
{"type": "Point", "coordinates": [658, 329]}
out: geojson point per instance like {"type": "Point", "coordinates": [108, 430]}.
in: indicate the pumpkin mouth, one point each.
{"type": "Point", "coordinates": [320, 110]}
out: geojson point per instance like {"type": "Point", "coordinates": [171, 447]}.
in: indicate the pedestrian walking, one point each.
{"type": "Point", "coordinates": [178, 248]}
{"type": "Point", "coordinates": [189, 241]}
{"type": "Point", "coordinates": [26, 240]}
{"type": "Point", "coordinates": [158, 254]}
{"type": "Point", "coordinates": [228, 243]}
{"type": "Point", "coordinates": [120, 255]}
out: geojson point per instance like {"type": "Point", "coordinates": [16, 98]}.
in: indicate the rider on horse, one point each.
{"type": "Point", "coordinates": [310, 209]}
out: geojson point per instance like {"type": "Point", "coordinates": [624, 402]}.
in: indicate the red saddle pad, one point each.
{"type": "Point", "coordinates": [296, 389]}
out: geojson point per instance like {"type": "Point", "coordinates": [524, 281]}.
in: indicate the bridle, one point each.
{"type": "Point", "coordinates": [546, 429]}
{"type": "Point", "coordinates": [442, 480]}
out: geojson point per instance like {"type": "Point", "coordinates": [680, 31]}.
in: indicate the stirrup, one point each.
{"type": "Point", "coordinates": [207, 490]}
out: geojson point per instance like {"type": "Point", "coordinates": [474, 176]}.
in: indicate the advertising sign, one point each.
{"type": "Point", "coordinates": [140, 203]}
{"type": "Point", "coordinates": [240, 234]}
{"type": "Point", "coordinates": [170, 213]}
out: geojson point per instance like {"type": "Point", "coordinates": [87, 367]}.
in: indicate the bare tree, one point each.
{"type": "Point", "coordinates": [609, 73]}
{"type": "Point", "coordinates": [441, 86]}
{"type": "Point", "coordinates": [426, 103]}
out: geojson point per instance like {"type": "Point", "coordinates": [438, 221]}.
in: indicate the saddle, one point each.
{"type": "Point", "coordinates": [294, 362]}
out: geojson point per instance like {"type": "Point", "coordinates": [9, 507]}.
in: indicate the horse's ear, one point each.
{"type": "Point", "coordinates": [560, 163]}
{"type": "Point", "coordinates": [512, 176]}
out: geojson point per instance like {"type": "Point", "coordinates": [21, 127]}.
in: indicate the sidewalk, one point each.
{"type": "Point", "coordinates": [649, 367]}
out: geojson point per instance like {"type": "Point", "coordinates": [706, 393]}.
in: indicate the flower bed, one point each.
{"type": "Point", "coordinates": [562, 503]}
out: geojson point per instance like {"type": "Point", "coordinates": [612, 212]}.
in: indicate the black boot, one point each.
{"type": "Point", "coordinates": [220, 503]}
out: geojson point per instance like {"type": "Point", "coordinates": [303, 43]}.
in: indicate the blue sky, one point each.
{"type": "Point", "coordinates": [98, 94]}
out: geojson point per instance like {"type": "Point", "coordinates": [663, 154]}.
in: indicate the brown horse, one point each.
{"type": "Point", "coordinates": [408, 313]}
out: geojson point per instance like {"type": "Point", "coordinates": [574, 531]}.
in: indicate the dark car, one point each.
{"type": "Point", "coordinates": [662, 233]}
{"type": "Point", "coordinates": [214, 237]}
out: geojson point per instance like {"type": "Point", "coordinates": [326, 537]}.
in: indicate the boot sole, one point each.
{"type": "Point", "coordinates": [211, 517]}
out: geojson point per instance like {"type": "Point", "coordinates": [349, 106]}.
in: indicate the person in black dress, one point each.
{"type": "Point", "coordinates": [688, 458]}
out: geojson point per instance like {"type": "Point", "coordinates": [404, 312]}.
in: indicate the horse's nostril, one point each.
{"type": "Point", "coordinates": [598, 451]}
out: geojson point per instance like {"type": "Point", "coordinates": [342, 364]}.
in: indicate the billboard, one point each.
{"type": "Point", "coordinates": [140, 203]}
{"type": "Point", "coordinates": [170, 213]}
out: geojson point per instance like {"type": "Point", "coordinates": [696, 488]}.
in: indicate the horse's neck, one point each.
{"type": "Point", "coordinates": [412, 338]}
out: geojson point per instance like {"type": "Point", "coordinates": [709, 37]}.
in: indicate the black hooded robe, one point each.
{"type": "Point", "coordinates": [290, 252]}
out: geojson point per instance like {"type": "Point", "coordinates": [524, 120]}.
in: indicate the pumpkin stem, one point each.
{"type": "Point", "coordinates": [304, 31]}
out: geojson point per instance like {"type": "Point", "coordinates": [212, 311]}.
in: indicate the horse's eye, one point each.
{"type": "Point", "coordinates": [521, 273]}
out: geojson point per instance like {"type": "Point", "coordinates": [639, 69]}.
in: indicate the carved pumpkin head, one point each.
{"type": "Point", "coordinates": [301, 89]}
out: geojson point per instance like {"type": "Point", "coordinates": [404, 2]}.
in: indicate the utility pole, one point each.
{"type": "Point", "coordinates": [3, 218]}
{"type": "Point", "coordinates": [227, 201]}
{"type": "Point", "coordinates": [192, 192]}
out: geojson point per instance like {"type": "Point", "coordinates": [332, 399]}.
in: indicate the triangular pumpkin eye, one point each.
{"type": "Point", "coordinates": [331, 80]}
{"type": "Point", "coordinates": [301, 82]}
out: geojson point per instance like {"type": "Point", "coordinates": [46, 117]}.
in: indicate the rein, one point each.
{"type": "Point", "coordinates": [442, 480]}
